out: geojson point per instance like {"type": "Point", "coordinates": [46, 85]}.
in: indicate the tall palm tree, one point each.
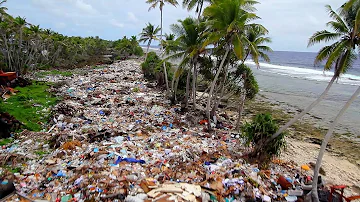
{"type": "Point", "coordinates": [188, 48]}
{"type": "Point", "coordinates": [340, 55]}
{"type": "Point", "coordinates": [149, 33]}
{"type": "Point", "coordinates": [227, 21]}
{"type": "Point", "coordinates": [190, 4]}
{"type": "Point", "coordinates": [161, 3]}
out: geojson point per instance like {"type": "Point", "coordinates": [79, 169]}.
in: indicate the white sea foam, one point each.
{"type": "Point", "coordinates": [306, 73]}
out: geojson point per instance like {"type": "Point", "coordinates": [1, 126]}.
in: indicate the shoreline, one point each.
{"type": "Point", "coordinates": [341, 161]}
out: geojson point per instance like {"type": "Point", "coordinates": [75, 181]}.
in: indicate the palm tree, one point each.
{"type": "Point", "coordinates": [256, 37]}
{"type": "Point", "coordinates": [190, 4]}
{"type": "Point", "coordinates": [341, 54]}
{"type": "Point", "coordinates": [161, 3]}
{"type": "Point", "coordinates": [149, 33]}
{"type": "Point", "coordinates": [188, 48]}
{"type": "Point", "coordinates": [227, 21]}
{"type": "Point", "coordinates": [349, 28]}
{"type": "Point", "coordinates": [326, 141]}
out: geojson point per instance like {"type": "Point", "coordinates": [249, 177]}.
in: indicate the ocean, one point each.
{"type": "Point", "coordinates": [301, 65]}
{"type": "Point", "coordinates": [292, 80]}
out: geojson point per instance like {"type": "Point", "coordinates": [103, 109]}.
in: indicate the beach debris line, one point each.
{"type": "Point", "coordinates": [107, 142]}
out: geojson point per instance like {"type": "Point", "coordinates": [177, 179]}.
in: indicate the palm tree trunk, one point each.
{"type": "Point", "coordinates": [164, 65]}
{"type": "Point", "coordinates": [218, 100]}
{"type": "Point", "coordinates": [325, 142]}
{"type": "Point", "coordinates": [176, 87]}
{"type": "Point", "coordinates": [187, 89]}
{"type": "Point", "coordinates": [241, 108]}
{"type": "Point", "coordinates": [317, 101]}
{"type": "Point", "coordinates": [147, 49]}
{"type": "Point", "coordinates": [213, 86]}
{"type": "Point", "coordinates": [173, 81]}
{"type": "Point", "coordinates": [194, 85]}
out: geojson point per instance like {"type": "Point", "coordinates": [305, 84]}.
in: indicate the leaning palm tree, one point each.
{"type": "Point", "coordinates": [161, 3]}
{"type": "Point", "coordinates": [191, 4]}
{"type": "Point", "coordinates": [350, 29]}
{"type": "Point", "coordinates": [148, 34]}
{"type": "Point", "coordinates": [340, 55]}
{"type": "Point", "coordinates": [188, 48]}
{"type": "Point", "coordinates": [227, 21]}
{"type": "Point", "coordinates": [326, 141]}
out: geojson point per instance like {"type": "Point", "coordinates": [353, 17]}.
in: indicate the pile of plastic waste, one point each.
{"type": "Point", "coordinates": [113, 138]}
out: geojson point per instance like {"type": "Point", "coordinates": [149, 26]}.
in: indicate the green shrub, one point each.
{"type": "Point", "coordinates": [258, 133]}
{"type": "Point", "coordinates": [153, 69]}
{"type": "Point", "coordinates": [150, 66]}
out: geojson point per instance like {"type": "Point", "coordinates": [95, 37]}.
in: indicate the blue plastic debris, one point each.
{"type": "Point", "coordinates": [129, 160]}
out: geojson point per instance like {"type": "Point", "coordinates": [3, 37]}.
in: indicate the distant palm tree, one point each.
{"type": "Point", "coordinates": [190, 4]}
{"type": "Point", "coordinates": [3, 9]}
{"type": "Point", "coordinates": [227, 21]}
{"type": "Point", "coordinates": [161, 3]}
{"type": "Point", "coordinates": [340, 55]}
{"type": "Point", "coordinates": [149, 33]}
{"type": "Point", "coordinates": [256, 37]}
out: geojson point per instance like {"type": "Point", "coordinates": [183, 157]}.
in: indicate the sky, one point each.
{"type": "Point", "coordinates": [290, 22]}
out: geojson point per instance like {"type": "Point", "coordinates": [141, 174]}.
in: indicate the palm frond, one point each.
{"type": "Point", "coordinates": [346, 62]}
{"type": "Point", "coordinates": [335, 16]}
{"type": "Point", "coordinates": [324, 53]}
{"type": "Point", "coordinates": [238, 46]}
{"type": "Point", "coordinates": [323, 36]}
{"type": "Point", "coordinates": [338, 27]}
{"type": "Point", "coordinates": [335, 54]}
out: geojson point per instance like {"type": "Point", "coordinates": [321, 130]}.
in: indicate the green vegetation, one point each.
{"type": "Point", "coordinates": [54, 73]}
{"type": "Point", "coordinates": [41, 153]}
{"type": "Point", "coordinates": [128, 47]}
{"type": "Point", "coordinates": [6, 141]}
{"type": "Point", "coordinates": [258, 133]}
{"type": "Point", "coordinates": [30, 105]}
{"type": "Point", "coordinates": [27, 47]}
{"type": "Point", "coordinates": [11, 169]}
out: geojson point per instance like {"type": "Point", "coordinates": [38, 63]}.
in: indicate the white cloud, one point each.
{"type": "Point", "coordinates": [132, 17]}
{"type": "Point", "coordinates": [80, 4]}
{"type": "Point", "coordinates": [116, 23]}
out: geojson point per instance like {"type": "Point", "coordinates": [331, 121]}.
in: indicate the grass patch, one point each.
{"type": "Point", "coordinates": [6, 141]}
{"type": "Point", "coordinates": [41, 153]}
{"type": "Point", "coordinates": [54, 73]}
{"type": "Point", "coordinates": [12, 170]}
{"type": "Point", "coordinates": [30, 105]}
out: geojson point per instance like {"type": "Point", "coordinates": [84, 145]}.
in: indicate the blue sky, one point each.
{"type": "Point", "coordinates": [290, 22]}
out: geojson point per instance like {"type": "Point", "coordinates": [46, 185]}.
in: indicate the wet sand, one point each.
{"type": "Point", "coordinates": [294, 94]}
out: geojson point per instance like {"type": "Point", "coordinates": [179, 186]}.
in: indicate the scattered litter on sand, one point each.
{"type": "Point", "coordinates": [111, 143]}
